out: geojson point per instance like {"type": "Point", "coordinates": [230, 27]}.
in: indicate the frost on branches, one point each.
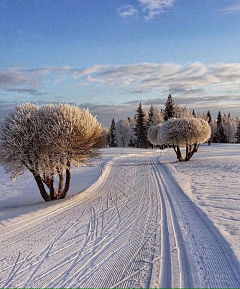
{"type": "Point", "coordinates": [47, 141]}
{"type": "Point", "coordinates": [153, 134]}
{"type": "Point", "coordinates": [184, 133]}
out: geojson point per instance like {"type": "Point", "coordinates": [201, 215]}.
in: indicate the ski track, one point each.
{"type": "Point", "coordinates": [135, 229]}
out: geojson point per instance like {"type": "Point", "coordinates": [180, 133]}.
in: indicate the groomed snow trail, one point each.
{"type": "Point", "coordinates": [136, 228]}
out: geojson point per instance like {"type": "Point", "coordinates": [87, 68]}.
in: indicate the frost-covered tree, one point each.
{"type": "Point", "coordinates": [181, 112]}
{"type": "Point", "coordinates": [230, 127]}
{"type": "Point", "coordinates": [169, 110]}
{"type": "Point", "coordinates": [132, 140]}
{"type": "Point", "coordinates": [47, 141]}
{"type": "Point", "coordinates": [123, 132]}
{"type": "Point", "coordinates": [157, 117]}
{"type": "Point", "coordinates": [153, 134]}
{"type": "Point", "coordinates": [141, 128]}
{"type": "Point", "coordinates": [112, 135]}
{"type": "Point", "coordinates": [184, 133]}
{"type": "Point", "coordinates": [105, 136]}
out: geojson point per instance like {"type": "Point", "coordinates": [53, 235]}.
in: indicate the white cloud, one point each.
{"type": "Point", "coordinates": [149, 8]}
{"type": "Point", "coordinates": [155, 7]}
{"type": "Point", "coordinates": [128, 11]}
{"type": "Point", "coordinates": [144, 76]}
{"type": "Point", "coordinates": [180, 80]}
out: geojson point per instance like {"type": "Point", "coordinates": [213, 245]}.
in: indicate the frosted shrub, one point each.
{"type": "Point", "coordinates": [184, 133]}
{"type": "Point", "coordinates": [153, 135]}
{"type": "Point", "coordinates": [47, 141]}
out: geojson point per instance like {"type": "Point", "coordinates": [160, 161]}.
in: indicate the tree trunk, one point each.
{"type": "Point", "coordinates": [52, 189]}
{"type": "Point", "coordinates": [67, 185]}
{"type": "Point", "coordinates": [178, 153]}
{"type": "Point", "coordinates": [190, 150]}
{"type": "Point", "coordinates": [42, 190]}
{"type": "Point", "coordinates": [60, 185]}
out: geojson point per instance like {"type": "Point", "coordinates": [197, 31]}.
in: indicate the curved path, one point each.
{"type": "Point", "coordinates": [136, 228]}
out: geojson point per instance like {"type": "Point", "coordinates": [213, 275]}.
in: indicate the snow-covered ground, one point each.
{"type": "Point", "coordinates": [212, 180]}
{"type": "Point", "coordinates": [133, 227]}
{"type": "Point", "coordinates": [22, 196]}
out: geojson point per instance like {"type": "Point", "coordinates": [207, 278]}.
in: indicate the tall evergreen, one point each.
{"type": "Point", "coordinates": [220, 135]}
{"type": "Point", "coordinates": [209, 117]}
{"type": "Point", "coordinates": [219, 119]}
{"type": "Point", "coordinates": [193, 113]}
{"type": "Point", "coordinates": [112, 135]}
{"type": "Point", "coordinates": [150, 116]}
{"type": "Point", "coordinates": [169, 110]}
{"type": "Point", "coordinates": [238, 133]}
{"type": "Point", "coordinates": [141, 128]}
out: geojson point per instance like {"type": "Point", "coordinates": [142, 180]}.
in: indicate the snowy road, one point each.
{"type": "Point", "coordinates": [135, 228]}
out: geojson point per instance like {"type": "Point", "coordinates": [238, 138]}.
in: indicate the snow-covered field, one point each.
{"type": "Point", "coordinates": [212, 180]}
{"type": "Point", "coordinates": [134, 227]}
{"type": "Point", "coordinates": [22, 196]}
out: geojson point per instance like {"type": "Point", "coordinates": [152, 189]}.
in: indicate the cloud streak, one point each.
{"type": "Point", "coordinates": [231, 8]}
{"type": "Point", "coordinates": [149, 8]}
{"type": "Point", "coordinates": [169, 77]}
{"type": "Point", "coordinates": [194, 79]}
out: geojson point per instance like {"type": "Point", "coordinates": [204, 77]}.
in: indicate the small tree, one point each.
{"type": "Point", "coordinates": [47, 141]}
{"type": "Point", "coordinates": [184, 133]}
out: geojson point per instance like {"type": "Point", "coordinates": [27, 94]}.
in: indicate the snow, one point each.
{"type": "Point", "coordinates": [132, 227]}
{"type": "Point", "coordinates": [18, 197]}
{"type": "Point", "coordinates": [212, 180]}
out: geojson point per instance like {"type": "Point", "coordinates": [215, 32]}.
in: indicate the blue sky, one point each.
{"type": "Point", "coordinates": [117, 53]}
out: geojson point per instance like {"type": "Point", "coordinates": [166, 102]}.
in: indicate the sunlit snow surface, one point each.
{"type": "Point", "coordinates": [212, 180]}
{"type": "Point", "coordinates": [131, 227]}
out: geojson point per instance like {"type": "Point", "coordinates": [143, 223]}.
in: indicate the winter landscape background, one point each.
{"type": "Point", "coordinates": [160, 206]}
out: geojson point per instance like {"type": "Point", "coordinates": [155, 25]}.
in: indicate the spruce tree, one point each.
{"type": "Point", "coordinates": [150, 116]}
{"type": "Point", "coordinates": [193, 113]}
{"type": "Point", "coordinates": [209, 117]}
{"type": "Point", "coordinates": [112, 134]}
{"type": "Point", "coordinates": [169, 111]}
{"type": "Point", "coordinates": [238, 133]}
{"type": "Point", "coordinates": [141, 128]}
{"type": "Point", "coordinates": [219, 119]}
{"type": "Point", "coordinates": [220, 135]}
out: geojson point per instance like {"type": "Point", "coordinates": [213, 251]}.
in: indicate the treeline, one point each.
{"type": "Point", "coordinates": [132, 132]}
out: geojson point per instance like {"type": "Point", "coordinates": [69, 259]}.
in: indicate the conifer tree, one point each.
{"type": "Point", "coordinates": [150, 116]}
{"type": "Point", "coordinates": [238, 133]}
{"type": "Point", "coordinates": [169, 111]}
{"type": "Point", "coordinates": [209, 117]}
{"type": "Point", "coordinates": [219, 119]}
{"type": "Point", "coordinates": [193, 113]}
{"type": "Point", "coordinates": [220, 136]}
{"type": "Point", "coordinates": [141, 128]}
{"type": "Point", "coordinates": [112, 134]}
